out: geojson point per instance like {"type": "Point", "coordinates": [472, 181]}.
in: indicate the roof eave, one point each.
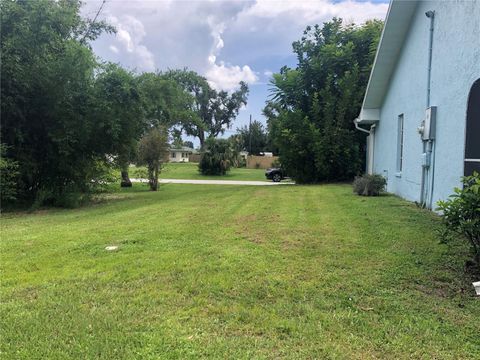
{"type": "Point", "coordinates": [395, 30]}
{"type": "Point", "coordinates": [368, 116]}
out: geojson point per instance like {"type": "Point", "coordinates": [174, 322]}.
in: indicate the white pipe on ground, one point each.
{"type": "Point", "coordinates": [476, 285]}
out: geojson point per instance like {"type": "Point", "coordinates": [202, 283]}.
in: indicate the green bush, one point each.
{"type": "Point", "coordinates": [369, 185]}
{"type": "Point", "coordinates": [218, 157]}
{"type": "Point", "coordinates": [276, 164]}
{"type": "Point", "coordinates": [241, 162]}
{"type": "Point", "coordinates": [461, 213]}
{"type": "Point", "coordinates": [71, 194]}
{"type": "Point", "coordinates": [8, 176]}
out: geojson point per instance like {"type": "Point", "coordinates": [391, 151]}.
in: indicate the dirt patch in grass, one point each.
{"type": "Point", "coordinates": [248, 227]}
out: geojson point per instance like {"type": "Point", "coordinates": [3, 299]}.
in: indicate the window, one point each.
{"type": "Point", "coordinates": [472, 145]}
{"type": "Point", "coordinates": [400, 144]}
{"type": "Point", "coordinates": [173, 155]}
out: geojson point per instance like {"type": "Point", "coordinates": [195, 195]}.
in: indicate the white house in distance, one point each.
{"type": "Point", "coordinates": [422, 104]}
{"type": "Point", "coordinates": [180, 154]}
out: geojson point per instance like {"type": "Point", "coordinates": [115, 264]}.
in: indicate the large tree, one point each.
{"type": "Point", "coordinates": [311, 112]}
{"type": "Point", "coordinates": [118, 104]}
{"type": "Point", "coordinates": [47, 91]}
{"type": "Point", "coordinates": [214, 110]}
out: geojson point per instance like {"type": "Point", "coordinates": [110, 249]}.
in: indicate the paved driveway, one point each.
{"type": "Point", "coordinates": [215, 182]}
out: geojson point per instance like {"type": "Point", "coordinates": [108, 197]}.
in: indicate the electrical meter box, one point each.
{"type": "Point", "coordinates": [429, 126]}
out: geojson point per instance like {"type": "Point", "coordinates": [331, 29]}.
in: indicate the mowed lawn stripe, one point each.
{"type": "Point", "coordinates": [234, 272]}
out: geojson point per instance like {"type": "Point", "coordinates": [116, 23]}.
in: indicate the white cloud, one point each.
{"type": "Point", "coordinates": [114, 49]}
{"type": "Point", "coordinates": [129, 37]}
{"type": "Point", "coordinates": [227, 77]}
{"type": "Point", "coordinates": [223, 40]}
{"type": "Point", "coordinates": [223, 76]}
{"type": "Point", "coordinates": [314, 10]}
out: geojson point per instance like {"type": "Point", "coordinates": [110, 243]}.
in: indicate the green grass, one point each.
{"type": "Point", "coordinates": [202, 271]}
{"type": "Point", "coordinates": [190, 171]}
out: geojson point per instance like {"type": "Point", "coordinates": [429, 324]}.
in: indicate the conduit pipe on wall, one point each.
{"type": "Point", "coordinates": [428, 146]}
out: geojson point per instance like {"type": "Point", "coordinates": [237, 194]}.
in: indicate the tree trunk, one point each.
{"type": "Point", "coordinates": [125, 182]}
{"type": "Point", "coordinates": [201, 137]}
{"type": "Point", "coordinates": [153, 177]}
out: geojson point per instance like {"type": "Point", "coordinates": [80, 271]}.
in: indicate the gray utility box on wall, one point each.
{"type": "Point", "coordinates": [430, 122]}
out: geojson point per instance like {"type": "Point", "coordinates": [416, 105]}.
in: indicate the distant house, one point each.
{"type": "Point", "coordinates": [243, 154]}
{"type": "Point", "coordinates": [180, 154]}
{"type": "Point", "coordinates": [422, 104]}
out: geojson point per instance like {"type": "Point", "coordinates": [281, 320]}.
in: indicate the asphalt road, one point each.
{"type": "Point", "coordinates": [215, 182]}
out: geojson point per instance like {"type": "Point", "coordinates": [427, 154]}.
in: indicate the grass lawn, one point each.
{"type": "Point", "coordinates": [202, 271]}
{"type": "Point", "coordinates": [190, 171]}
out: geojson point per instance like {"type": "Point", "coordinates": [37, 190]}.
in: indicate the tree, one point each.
{"type": "Point", "coordinates": [152, 152]}
{"type": "Point", "coordinates": [139, 103]}
{"type": "Point", "coordinates": [214, 110]}
{"type": "Point", "coordinates": [253, 138]}
{"type": "Point", "coordinates": [271, 112]}
{"type": "Point", "coordinates": [48, 75]}
{"type": "Point", "coordinates": [164, 101]}
{"type": "Point", "coordinates": [177, 141]}
{"type": "Point", "coordinates": [188, 144]}
{"type": "Point", "coordinates": [217, 158]}
{"type": "Point", "coordinates": [118, 103]}
{"type": "Point", "coordinates": [310, 115]}
{"type": "Point", "coordinates": [8, 177]}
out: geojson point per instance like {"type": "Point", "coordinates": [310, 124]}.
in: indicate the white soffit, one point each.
{"type": "Point", "coordinates": [395, 30]}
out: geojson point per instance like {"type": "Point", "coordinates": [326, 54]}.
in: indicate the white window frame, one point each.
{"type": "Point", "coordinates": [400, 144]}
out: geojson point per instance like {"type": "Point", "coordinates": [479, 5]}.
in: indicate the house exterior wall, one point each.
{"type": "Point", "coordinates": [180, 156]}
{"type": "Point", "coordinates": [455, 67]}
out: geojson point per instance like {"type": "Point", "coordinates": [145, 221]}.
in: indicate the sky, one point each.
{"type": "Point", "coordinates": [226, 41]}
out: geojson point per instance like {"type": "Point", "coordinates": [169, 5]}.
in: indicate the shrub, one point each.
{"type": "Point", "coordinates": [276, 164]}
{"type": "Point", "coordinates": [8, 176]}
{"type": "Point", "coordinates": [461, 213]}
{"type": "Point", "coordinates": [217, 158]}
{"type": "Point", "coordinates": [241, 162]}
{"type": "Point", "coordinates": [369, 185]}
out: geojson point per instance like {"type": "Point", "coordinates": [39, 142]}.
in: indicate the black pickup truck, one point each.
{"type": "Point", "coordinates": [275, 174]}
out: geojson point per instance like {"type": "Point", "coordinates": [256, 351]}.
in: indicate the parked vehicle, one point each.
{"type": "Point", "coordinates": [275, 174]}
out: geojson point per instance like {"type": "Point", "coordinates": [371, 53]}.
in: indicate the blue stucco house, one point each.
{"type": "Point", "coordinates": [422, 105]}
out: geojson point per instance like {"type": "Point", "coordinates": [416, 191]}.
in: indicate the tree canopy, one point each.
{"type": "Point", "coordinates": [67, 117]}
{"type": "Point", "coordinates": [311, 111]}
{"type": "Point", "coordinates": [214, 111]}
{"type": "Point", "coordinates": [48, 96]}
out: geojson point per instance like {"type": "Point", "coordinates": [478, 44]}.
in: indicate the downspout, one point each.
{"type": "Point", "coordinates": [369, 132]}
{"type": "Point", "coordinates": [359, 128]}
{"type": "Point", "coordinates": [428, 145]}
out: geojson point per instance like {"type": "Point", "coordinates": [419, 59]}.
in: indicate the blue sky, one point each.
{"type": "Point", "coordinates": [225, 41]}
